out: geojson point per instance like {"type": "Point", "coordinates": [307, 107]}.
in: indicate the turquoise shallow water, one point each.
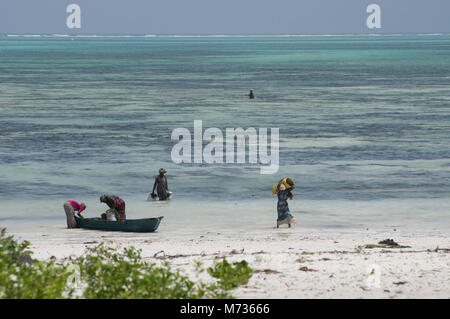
{"type": "Point", "coordinates": [361, 118]}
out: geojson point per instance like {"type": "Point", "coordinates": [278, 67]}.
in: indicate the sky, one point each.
{"type": "Point", "coordinates": [186, 17]}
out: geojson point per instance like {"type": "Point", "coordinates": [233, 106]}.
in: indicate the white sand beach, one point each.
{"type": "Point", "coordinates": [288, 263]}
{"type": "Point", "coordinates": [362, 123]}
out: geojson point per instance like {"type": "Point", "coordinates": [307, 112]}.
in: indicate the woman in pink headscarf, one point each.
{"type": "Point", "coordinates": [70, 207]}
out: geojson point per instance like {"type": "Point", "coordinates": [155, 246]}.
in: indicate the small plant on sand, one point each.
{"type": "Point", "coordinates": [231, 275]}
{"type": "Point", "coordinates": [25, 278]}
{"type": "Point", "coordinates": [198, 266]}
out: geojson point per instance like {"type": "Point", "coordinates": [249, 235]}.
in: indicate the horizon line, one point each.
{"type": "Point", "coordinates": [217, 35]}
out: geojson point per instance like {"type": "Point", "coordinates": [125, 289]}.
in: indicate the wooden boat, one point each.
{"type": "Point", "coordinates": [144, 225]}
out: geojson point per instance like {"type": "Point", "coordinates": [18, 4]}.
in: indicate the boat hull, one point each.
{"type": "Point", "coordinates": [145, 225]}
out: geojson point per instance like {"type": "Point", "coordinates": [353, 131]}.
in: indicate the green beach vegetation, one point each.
{"type": "Point", "coordinates": [107, 273]}
{"type": "Point", "coordinates": [22, 277]}
{"type": "Point", "coordinates": [231, 276]}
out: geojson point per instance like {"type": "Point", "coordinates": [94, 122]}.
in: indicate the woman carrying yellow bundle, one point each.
{"type": "Point", "coordinates": [283, 190]}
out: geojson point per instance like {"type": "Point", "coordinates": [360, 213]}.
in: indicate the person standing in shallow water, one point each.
{"type": "Point", "coordinates": [251, 95]}
{"type": "Point", "coordinates": [283, 190]}
{"type": "Point", "coordinates": [161, 185]}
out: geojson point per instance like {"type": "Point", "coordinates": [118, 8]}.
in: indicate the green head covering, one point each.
{"type": "Point", "coordinates": [162, 170]}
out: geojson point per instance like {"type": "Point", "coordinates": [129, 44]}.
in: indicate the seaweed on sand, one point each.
{"type": "Point", "coordinates": [387, 243]}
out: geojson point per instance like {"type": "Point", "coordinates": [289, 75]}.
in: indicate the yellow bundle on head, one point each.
{"type": "Point", "coordinates": [285, 183]}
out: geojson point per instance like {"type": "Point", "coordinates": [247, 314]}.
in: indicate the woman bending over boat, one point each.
{"type": "Point", "coordinates": [70, 207]}
{"type": "Point", "coordinates": [114, 202]}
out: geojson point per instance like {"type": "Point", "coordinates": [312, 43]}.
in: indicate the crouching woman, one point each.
{"type": "Point", "coordinates": [115, 202]}
{"type": "Point", "coordinates": [70, 207]}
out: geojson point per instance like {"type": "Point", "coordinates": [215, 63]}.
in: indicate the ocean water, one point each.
{"type": "Point", "coordinates": [364, 127]}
